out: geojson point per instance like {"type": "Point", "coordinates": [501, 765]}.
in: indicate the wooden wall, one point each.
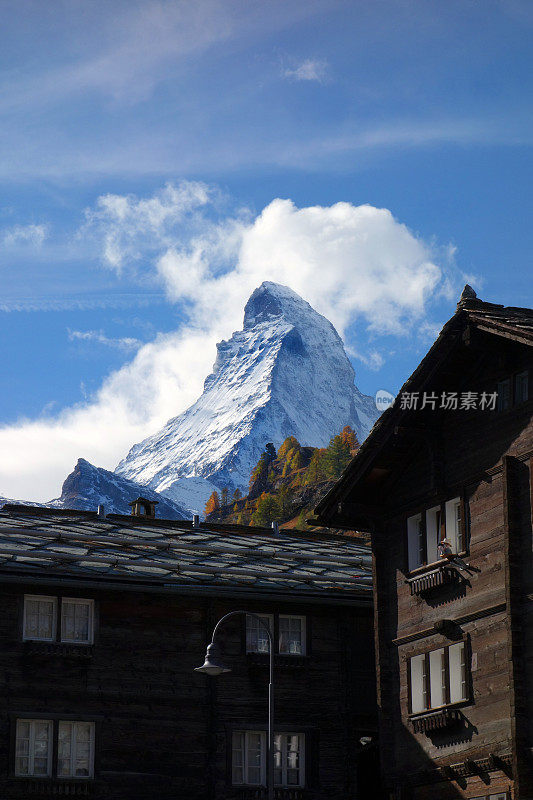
{"type": "Point", "coordinates": [161, 728]}
{"type": "Point", "coordinates": [486, 455]}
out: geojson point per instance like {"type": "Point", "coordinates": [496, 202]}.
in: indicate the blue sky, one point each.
{"type": "Point", "coordinates": [115, 288]}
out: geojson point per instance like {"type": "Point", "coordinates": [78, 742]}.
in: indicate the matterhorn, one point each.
{"type": "Point", "coordinates": [285, 373]}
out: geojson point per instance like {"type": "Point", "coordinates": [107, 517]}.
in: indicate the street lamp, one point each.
{"type": "Point", "coordinates": [213, 666]}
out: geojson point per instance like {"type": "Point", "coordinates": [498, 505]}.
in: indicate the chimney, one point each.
{"type": "Point", "coordinates": [101, 511]}
{"type": "Point", "coordinates": [141, 507]}
{"type": "Point", "coordinates": [195, 521]}
{"type": "Point", "coordinates": [275, 527]}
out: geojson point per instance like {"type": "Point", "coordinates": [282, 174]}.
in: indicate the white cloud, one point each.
{"type": "Point", "coordinates": [33, 235]}
{"type": "Point", "coordinates": [354, 264]}
{"type": "Point", "coordinates": [311, 69]}
{"type": "Point", "coordinates": [127, 343]}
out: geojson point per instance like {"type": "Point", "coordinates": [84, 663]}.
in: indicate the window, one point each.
{"type": "Point", "coordinates": [75, 750]}
{"type": "Point", "coordinates": [249, 758]}
{"type": "Point", "coordinates": [40, 615]}
{"type": "Point", "coordinates": [504, 394]}
{"type": "Point", "coordinates": [76, 620]}
{"type": "Point", "coordinates": [426, 529]}
{"type": "Point", "coordinates": [438, 678]}
{"type": "Point", "coordinates": [513, 391]}
{"type": "Point", "coordinates": [34, 747]}
{"type": "Point", "coordinates": [288, 759]}
{"type": "Point", "coordinates": [521, 387]}
{"type": "Point", "coordinates": [256, 635]}
{"type": "Point", "coordinates": [290, 630]}
{"type": "Point", "coordinates": [41, 619]}
{"type": "Point", "coordinates": [292, 635]}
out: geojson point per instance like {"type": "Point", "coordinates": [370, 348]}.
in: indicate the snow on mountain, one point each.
{"type": "Point", "coordinates": [286, 373]}
{"type": "Point", "coordinates": [88, 486]}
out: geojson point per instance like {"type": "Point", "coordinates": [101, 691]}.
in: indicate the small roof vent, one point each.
{"type": "Point", "coordinates": [141, 507]}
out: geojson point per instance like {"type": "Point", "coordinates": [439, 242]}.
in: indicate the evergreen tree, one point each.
{"type": "Point", "coordinates": [237, 494]}
{"type": "Point", "coordinates": [224, 495]}
{"type": "Point", "coordinates": [337, 456]}
{"type": "Point", "coordinates": [267, 510]}
{"type": "Point", "coordinates": [290, 443]}
{"type": "Point", "coordinates": [213, 504]}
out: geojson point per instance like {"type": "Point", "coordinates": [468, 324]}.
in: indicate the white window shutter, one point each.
{"type": "Point", "coordinates": [457, 672]}
{"type": "Point", "coordinates": [451, 522]}
{"type": "Point", "coordinates": [432, 533]}
{"type": "Point", "coordinates": [417, 684]}
{"type": "Point", "coordinates": [438, 690]}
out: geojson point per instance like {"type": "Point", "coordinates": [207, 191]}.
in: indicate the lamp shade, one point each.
{"type": "Point", "coordinates": [212, 664]}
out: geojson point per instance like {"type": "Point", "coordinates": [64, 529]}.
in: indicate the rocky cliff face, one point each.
{"type": "Point", "coordinates": [88, 486]}
{"type": "Point", "coordinates": [286, 373]}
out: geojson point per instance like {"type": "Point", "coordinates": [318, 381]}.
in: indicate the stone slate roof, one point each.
{"type": "Point", "coordinates": [42, 542]}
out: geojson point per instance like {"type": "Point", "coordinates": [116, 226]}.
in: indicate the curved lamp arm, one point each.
{"type": "Point", "coordinates": [212, 666]}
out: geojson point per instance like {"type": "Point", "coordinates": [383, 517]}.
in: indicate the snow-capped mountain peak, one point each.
{"type": "Point", "coordinates": [285, 373]}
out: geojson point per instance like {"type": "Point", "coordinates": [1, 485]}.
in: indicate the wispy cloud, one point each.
{"type": "Point", "coordinates": [126, 343]}
{"type": "Point", "coordinates": [311, 69]}
{"type": "Point", "coordinates": [33, 235]}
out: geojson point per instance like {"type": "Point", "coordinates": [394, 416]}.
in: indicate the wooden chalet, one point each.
{"type": "Point", "coordinates": [103, 620]}
{"type": "Point", "coordinates": [444, 485]}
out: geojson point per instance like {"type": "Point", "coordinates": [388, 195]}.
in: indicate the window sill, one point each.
{"type": "Point", "coordinates": [46, 787]}
{"type": "Point", "coordinates": [36, 648]}
{"type": "Point", "coordinates": [261, 793]}
{"type": "Point", "coordinates": [442, 718]}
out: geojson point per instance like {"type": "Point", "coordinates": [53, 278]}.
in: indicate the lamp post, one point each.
{"type": "Point", "coordinates": [213, 666]}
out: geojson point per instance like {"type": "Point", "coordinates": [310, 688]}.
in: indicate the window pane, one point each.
{"type": "Point", "coordinates": [256, 635]}
{"type": "Point", "coordinates": [32, 747]}
{"type": "Point", "coordinates": [521, 395]}
{"type": "Point", "coordinates": [291, 635]}
{"type": "Point", "coordinates": [504, 395]}
{"type": "Point", "coordinates": [238, 757]}
{"type": "Point", "coordinates": [76, 620]}
{"type": "Point", "coordinates": [39, 618]}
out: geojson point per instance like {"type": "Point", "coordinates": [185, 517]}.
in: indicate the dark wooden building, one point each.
{"type": "Point", "coordinates": [444, 485]}
{"type": "Point", "coordinates": [103, 620]}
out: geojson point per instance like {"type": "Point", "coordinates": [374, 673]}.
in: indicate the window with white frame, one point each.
{"type": "Point", "coordinates": [427, 528]}
{"type": "Point", "coordinates": [34, 748]}
{"type": "Point", "coordinates": [75, 753]}
{"type": "Point", "coordinates": [291, 631]}
{"type": "Point", "coordinates": [76, 620]}
{"type": "Point", "coordinates": [288, 759]}
{"type": "Point", "coordinates": [256, 635]}
{"type": "Point", "coordinates": [249, 758]}
{"type": "Point", "coordinates": [41, 619]}
{"type": "Point", "coordinates": [438, 678]}
{"type": "Point", "coordinates": [292, 635]}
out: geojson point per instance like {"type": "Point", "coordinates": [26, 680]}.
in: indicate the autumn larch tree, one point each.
{"type": "Point", "coordinates": [213, 504]}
